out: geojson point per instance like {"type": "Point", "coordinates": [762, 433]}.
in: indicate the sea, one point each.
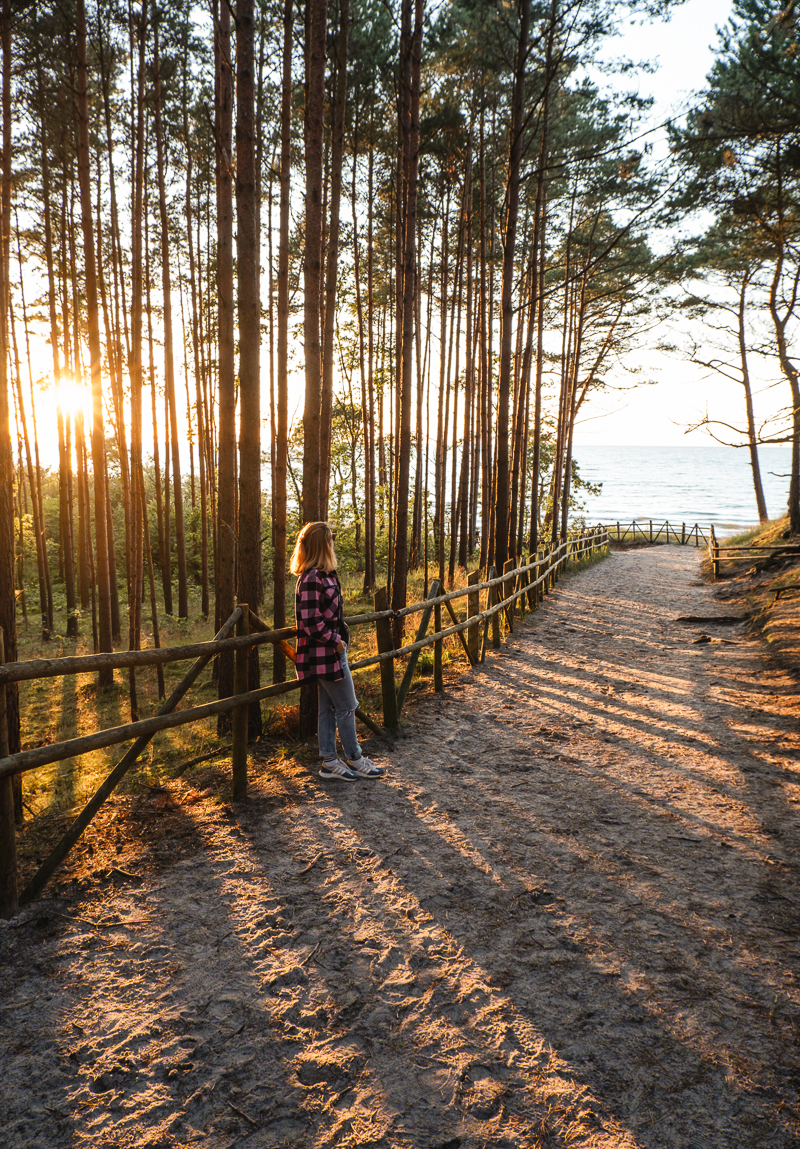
{"type": "Point", "coordinates": [704, 485]}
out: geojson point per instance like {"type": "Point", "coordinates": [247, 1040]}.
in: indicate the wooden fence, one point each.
{"type": "Point", "coordinates": [646, 531]}
{"type": "Point", "coordinates": [521, 587]}
{"type": "Point", "coordinates": [734, 553]}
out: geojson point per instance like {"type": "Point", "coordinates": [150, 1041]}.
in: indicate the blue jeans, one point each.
{"type": "Point", "coordinates": [337, 707]}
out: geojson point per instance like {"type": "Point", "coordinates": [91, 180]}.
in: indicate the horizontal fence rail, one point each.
{"type": "Point", "coordinates": [505, 594]}
{"type": "Point", "coordinates": [118, 660]}
{"type": "Point", "coordinates": [649, 531]}
{"type": "Point", "coordinates": [746, 551]}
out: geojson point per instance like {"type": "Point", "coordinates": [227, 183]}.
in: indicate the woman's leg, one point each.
{"type": "Point", "coordinates": [341, 698]}
{"type": "Point", "coordinates": [326, 723]}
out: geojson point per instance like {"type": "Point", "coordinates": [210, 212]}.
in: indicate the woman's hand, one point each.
{"type": "Point", "coordinates": [340, 646]}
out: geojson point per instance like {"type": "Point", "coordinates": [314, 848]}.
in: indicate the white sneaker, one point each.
{"type": "Point", "coordinates": [337, 771]}
{"type": "Point", "coordinates": [365, 768]}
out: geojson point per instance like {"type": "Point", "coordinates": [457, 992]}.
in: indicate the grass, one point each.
{"type": "Point", "coordinates": [57, 709]}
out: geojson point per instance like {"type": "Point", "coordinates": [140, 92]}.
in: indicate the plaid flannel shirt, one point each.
{"type": "Point", "coordinates": [318, 609]}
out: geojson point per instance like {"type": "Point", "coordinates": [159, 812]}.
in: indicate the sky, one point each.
{"type": "Point", "coordinates": [658, 414]}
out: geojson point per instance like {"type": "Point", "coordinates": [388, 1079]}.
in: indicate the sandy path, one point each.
{"type": "Point", "coordinates": [568, 918]}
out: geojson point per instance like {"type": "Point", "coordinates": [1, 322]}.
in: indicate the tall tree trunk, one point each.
{"type": "Point", "coordinates": [369, 471]}
{"type": "Point", "coordinates": [519, 442]}
{"type": "Point", "coordinates": [567, 331]}
{"type": "Point", "coordinates": [752, 437]}
{"type": "Point", "coordinates": [225, 558]}
{"type": "Point", "coordinates": [332, 265]}
{"type": "Point", "coordinates": [119, 420]}
{"type": "Point", "coordinates": [83, 514]}
{"type": "Point", "coordinates": [791, 374]}
{"type": "Point", "coordinates": [441, 425]}
{"type": "Point", "coordinates": [105, 677]}
{"type": "Point", "coordinates": [164, 556]}
{"type": "Point", "coordinates": [312, 279]}
{"type": "Point", "coordinates": [466, 446]}
{"type": "Point", "coordinates": [38, 532]}
{"type": "Point", "coordinates": [316, 32]}
{"type": "Point", "coordinates": [196, 350]}
{"type": "Point", "coordinates": [65, 525]}
{"type": "Point", "coordinates": [249, 315]}
{"type": "Point", "coordinates": [501, 515]}
{"type": "Point", "coordinates": [541, 234]}
{"type": "Point", "coordinates": [484, 319]}
{"type": "Point", "coordinates": [169, 359]}
{"type": "Point", "coordinates": [454, 353]}
{"type": "Point", "coordinates": [410, 72]}
{"type": "Point", "coordinates": [136, 556]}
{"type": "Point", "coordinates": [282, 420]}
{"type": "Point", "coordinates": [64, 470]}
{"type": "Point", "coordinates": [8, 621]}
{"type": "Point", "coordinates": [571, 409]}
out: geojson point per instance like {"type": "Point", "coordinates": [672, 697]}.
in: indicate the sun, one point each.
{"type": "Point", "coordinates": [74, 398]}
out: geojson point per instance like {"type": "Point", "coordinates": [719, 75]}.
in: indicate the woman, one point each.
{"type": "Point", "coordinates": [322, 639]}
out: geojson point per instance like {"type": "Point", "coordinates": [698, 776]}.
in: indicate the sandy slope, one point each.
{"type": "Point", "coordinates": [568, 918]}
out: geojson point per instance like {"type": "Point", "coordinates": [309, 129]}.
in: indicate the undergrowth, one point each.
{"type": "Point", "coordinates": [767, 586]}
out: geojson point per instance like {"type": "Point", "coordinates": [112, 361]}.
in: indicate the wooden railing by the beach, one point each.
{"type": "Point", "coordinates": [647, 531]}
{"type": "Point", "coordinates": [719, 551]}
{"type": "Point", "coordinates": [521, 587]}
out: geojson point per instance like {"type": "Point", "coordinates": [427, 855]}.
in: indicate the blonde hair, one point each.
{"type": "Point", "coordinates": [313, 550]}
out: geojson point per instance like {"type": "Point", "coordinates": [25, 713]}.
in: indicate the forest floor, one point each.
{"type": "Point", "coordinates": [567, 917]}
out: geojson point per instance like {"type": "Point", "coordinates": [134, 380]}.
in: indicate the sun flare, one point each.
{"type": "Point", "coordinates": [73, 398]}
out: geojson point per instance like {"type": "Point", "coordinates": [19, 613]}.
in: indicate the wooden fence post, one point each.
{"type": "Point", "coordinates": [438, 647]}
{"type": "Point", "coordinates": [519, 582]}
{"type": "Point", "coordinates": [240, 716]}
{"type": "Point", "coordinates": [489, 618]}
{"type": "Point", "coordinates": [713, 546]}
{"type": "Point", "coordinates": [495, 599]}
{"type": "Point", "coordinates": [383, 633]}
{"type": "Point", "coordinates": [509, 611]}
{"type": "Point", "coordinates": [405, 682]}
{"type": "Point", "coordinates": [533, 597]}
{"type": "Point", "coordinates": [473, 608]}
{"type": "Point", "coordinates": [8, 833]}
{"type": "Point", "coordinates": [460, 634]}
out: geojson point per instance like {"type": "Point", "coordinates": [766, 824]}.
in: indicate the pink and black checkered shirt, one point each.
{"type": "Point", "coordinates": [320, 625]}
